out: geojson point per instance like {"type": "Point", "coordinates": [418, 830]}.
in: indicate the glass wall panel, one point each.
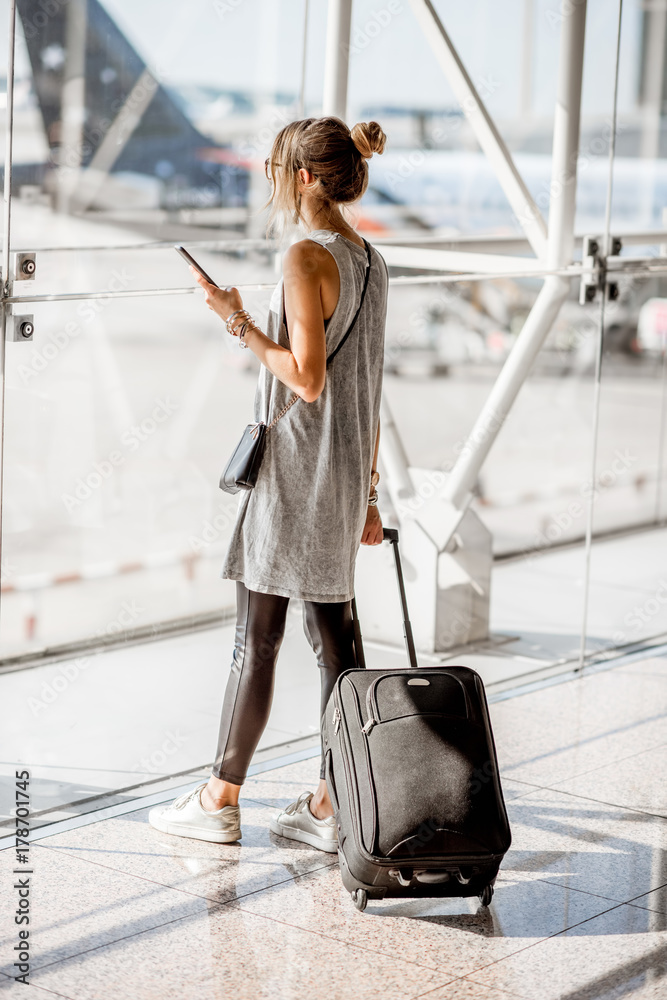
{"type": "Point", "coordinates": [626, 602]}
{"type": "Point", "coordinates": [445, 347]}
{"type": "Point", "coordinates": [628, 571]}
{"type": "Point", "coordinates": [134, 130]}
{"type": "Point", "coordinates": [137, 126]}
{"type": "Point", "coordinates": [433, 177]}
{"type": "Point", "coordinates": [119, 418]}
{"type": "Point", "coordinates": [140, 119]}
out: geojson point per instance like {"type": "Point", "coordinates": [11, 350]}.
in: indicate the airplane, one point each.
{"type": "Point", "coordinates": [131, 125]}
{"type": "Point", "coordinates": [456, 191]}
{"type": "Point", "coordinates": [186, 144]}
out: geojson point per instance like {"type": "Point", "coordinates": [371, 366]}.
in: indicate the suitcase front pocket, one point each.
{"type": "Point", "coordinates": [401, 695]}
{"type": "Point", "coordinates": [422, 770]}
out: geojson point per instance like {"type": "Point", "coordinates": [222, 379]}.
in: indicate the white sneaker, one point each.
{"type": "Point", "coordinates": [297, 822]}
{"type": "Point", "coordinates": [186, 817]}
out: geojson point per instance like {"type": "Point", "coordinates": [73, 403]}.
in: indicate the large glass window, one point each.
{"type": "Point", "coordinates": [136, 126]}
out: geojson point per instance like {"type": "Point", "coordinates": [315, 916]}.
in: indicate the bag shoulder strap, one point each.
{"type": "Point", "coordinates": [361, 302]}
{"type": "Point", "coordinates": [347, 333]}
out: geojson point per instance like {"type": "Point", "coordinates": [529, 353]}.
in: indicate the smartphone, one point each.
{"type": "Point", "coordinates": [190, 259]}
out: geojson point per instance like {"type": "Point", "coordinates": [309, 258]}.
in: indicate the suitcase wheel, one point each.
{"type": "Point", "coordinates": [486, 895]}
{"type": "Point", "coordinates": [360, 899]}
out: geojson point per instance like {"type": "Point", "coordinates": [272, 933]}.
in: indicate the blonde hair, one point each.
{"type": "Point", "coordinates": [334, 155]}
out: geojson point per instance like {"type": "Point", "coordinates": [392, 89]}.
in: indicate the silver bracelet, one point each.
{"type": "Point", "coordinates": [373, 498]}
{"type": "Point", "coordinates": [242, 331]}
{"type": "Point", "coordinates": [231, 318]}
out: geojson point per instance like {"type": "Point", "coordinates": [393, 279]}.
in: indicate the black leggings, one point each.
{"type": "Point", "coordinates": [260, 626]}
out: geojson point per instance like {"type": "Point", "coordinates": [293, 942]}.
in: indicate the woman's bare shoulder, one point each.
{"type": "Point", "coordinates": [308, 259]}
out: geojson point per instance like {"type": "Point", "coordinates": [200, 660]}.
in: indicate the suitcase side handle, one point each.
{"type": "Point", "coordinates": [391, 535]}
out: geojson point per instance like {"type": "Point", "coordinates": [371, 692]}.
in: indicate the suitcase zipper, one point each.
{"type": "Point", "coordinates": [336, 720]}
{"type": "Point", "coordinates": [351, 784]}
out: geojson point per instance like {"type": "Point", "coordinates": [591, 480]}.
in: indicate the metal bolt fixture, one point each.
{"type": "Point", "coordinates": [594, 279]}
{"type": "Point", "coordinates": [25, 266]}
{"type": "Point", "coordinates": [591, 261]}
{"type": "Point", "coordinates": [19, 328]}
{"type": "Point", "coordinates": [616, 245]}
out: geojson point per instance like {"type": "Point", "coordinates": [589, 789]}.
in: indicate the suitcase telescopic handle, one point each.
{"type": "Point", "coordinates": [391, 535]}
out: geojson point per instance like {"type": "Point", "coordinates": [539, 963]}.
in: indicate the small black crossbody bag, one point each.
{"type": "Point", "coordinates": [242, 469]}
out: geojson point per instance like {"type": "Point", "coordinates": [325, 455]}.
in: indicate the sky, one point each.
{"type": "Point", "coordinates": [257, 45]}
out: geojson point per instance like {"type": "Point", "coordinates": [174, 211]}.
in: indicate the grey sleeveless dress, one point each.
{"type": "Point", "coordinates": [298, 532]}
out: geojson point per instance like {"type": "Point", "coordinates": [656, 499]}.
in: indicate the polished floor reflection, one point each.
{"type": "Point", "coordinates": [580, 911]}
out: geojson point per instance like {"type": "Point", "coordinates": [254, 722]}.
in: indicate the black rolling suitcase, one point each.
{"type": "Point", "coordinates": [413, 777]}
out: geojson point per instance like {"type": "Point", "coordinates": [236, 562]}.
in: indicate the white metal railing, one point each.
{"type": "Point", "coordinates": [631, 266]}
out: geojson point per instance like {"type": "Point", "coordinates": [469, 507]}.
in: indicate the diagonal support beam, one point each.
{"type": "Point", "coordinates": [487, 134]}
{"type": "Point", "coordinates": [560, 249]}
{"type": "Point", "coordinates": [458, 489]}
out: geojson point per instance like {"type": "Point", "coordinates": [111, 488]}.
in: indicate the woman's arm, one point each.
{"type": "Point", "coordinates": [302, 367]}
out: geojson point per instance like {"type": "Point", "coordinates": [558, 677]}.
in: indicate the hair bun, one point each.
{"type": "Point", "coordinates": [369, 138]}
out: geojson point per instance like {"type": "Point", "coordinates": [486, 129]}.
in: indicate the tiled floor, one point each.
{"type": "Point", "coordinates": [123, 912]}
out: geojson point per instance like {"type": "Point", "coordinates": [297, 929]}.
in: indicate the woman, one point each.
{"type": "Point", "coordinates": [298, 531]}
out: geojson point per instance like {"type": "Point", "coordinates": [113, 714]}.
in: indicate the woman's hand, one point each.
{"type": "Point", "coordinates": [372, 533]}
{"type": "Point", "coordinates": [220, 300]}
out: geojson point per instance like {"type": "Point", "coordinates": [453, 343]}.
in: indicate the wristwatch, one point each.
{"type": "Point", "coordinates": [375, 477]}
